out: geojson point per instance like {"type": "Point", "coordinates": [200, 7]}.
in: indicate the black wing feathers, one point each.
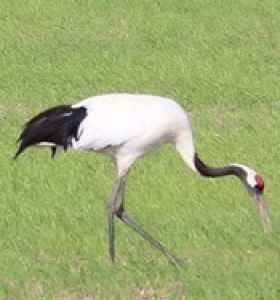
{"type": "Point", "coordinates": [57, 125]}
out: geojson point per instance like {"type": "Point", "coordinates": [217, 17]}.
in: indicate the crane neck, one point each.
{"type": "Point", "coordinates": [208, 171]}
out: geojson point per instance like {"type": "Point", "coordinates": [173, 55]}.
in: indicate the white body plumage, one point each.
{"type": "Point", "coordinates": [128, 126]}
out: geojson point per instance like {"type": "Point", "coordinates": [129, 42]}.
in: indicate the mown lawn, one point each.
{"type": "Point", "coordinates": [220, 60]}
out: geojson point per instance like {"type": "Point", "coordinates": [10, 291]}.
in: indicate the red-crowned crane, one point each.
{"type": "Point", "coordinates": [127, 127]}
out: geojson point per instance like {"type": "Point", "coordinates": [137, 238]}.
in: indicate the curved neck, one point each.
{"type": "Point", "coordinates": [207, 171]}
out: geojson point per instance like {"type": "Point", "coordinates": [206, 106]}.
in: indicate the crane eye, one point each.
{"type": "Point", "coordinates": [259, 188]}
{"type": "Point", "coordinates": [259, 182]}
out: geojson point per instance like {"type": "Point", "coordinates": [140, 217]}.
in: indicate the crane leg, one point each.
{"type": "Point", "coordinates": [116, 207]}
{"type": "Point", "coordinates": [122, 214]}
{"type": "Point", "coordinates": [114, 203]}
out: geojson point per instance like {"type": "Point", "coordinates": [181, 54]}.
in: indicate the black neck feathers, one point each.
{"type": "Point", "coordinates": [207, 171]}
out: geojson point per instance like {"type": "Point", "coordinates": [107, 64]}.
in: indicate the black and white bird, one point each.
{"type": "Point", "coordinates": [127, 127]}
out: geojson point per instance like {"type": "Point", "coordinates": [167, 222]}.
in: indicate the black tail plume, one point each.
{"type": "Point", "coordinates": [56, 126]}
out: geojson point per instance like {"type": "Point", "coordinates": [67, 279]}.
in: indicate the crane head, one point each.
{"type": "Point", "coordinates": [253, 182]}
{"type": "Point", "coordinates": [255, 186]}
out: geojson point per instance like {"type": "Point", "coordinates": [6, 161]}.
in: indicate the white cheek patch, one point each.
{"type": "Point", "coordinates": [251, 179]}
{"type": "Point", "coordinates": [250, 174]}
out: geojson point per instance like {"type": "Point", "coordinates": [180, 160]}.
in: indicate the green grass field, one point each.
{"type": "Point", "coordinates": [220, 60]}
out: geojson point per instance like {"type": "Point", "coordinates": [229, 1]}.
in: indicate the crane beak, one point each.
{"type": "Point", "coordinates": [263, 211]}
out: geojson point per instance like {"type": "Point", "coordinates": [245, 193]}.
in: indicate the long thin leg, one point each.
{"type": "Point", "coordinates": [136, 227]}
{"type": "Point", "coordinates": [113, 205]}
{"type": "Point", "coordinates": [122, 214]}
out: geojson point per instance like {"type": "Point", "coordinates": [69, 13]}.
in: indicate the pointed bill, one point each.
{"type": "Point", "coordinates": [263, 211]}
